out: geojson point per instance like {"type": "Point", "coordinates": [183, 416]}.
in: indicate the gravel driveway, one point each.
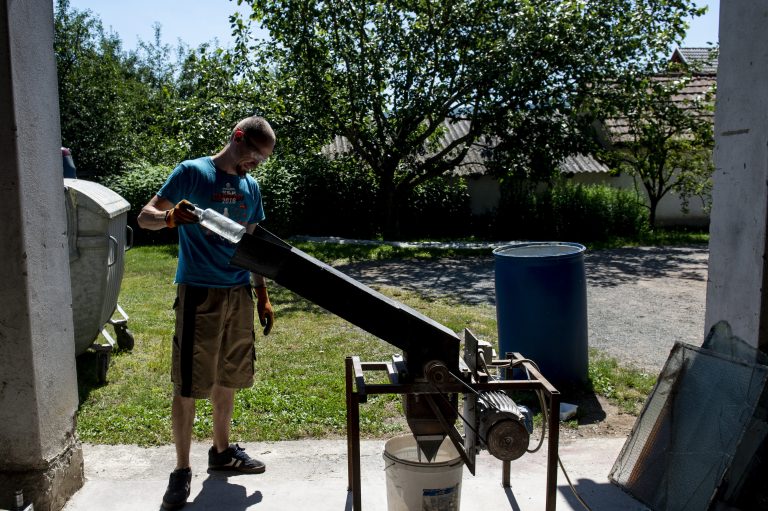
{"type": "Point", "coordinates": [640, 301]}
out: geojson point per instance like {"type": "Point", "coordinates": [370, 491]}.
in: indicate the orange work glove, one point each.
{"type": "Point", "coordinates": [182, 213]}
{"type": "Point", "coordinates": [264, 309]}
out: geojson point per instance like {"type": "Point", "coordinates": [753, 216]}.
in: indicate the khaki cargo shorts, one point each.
{"type": "Point", "coordinates": [214, 340]}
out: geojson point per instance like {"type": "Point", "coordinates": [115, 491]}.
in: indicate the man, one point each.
{"type": "Point", "coordinates": [213, 344]}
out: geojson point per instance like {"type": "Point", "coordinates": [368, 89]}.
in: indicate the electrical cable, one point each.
{"type": "Point", "coordinates": [542, 403]}
{"type": "Point", "coordinates": [540, 395]}
{"type": "Point", "coordinates": [543, 406]}
{"type": "Point", "coordinates": [570, 485]}
{"type": "Point", "coordinates": [544, 409]}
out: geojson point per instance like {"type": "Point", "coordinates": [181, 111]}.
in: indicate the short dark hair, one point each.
{"type": "Point", "coordinates": [257, 128]}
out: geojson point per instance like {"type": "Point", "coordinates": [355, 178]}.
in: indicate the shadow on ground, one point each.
{"type": "Point", "coordinates": [618, 266]}
{"type": "Point", "coordinates": [593, 493]}
{"type": "Point", "coordinates": [471, 280]}
{"type": "Point", "coordinates": [221, 494]}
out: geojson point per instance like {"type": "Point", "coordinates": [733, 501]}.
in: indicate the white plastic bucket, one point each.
{"type": "Point", "coordinates": [414, 485]}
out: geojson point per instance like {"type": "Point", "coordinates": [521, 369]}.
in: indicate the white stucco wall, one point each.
{"type": "Point", "coordinates": [484, 194]}
{"type": "Point", "coordinates": [484, 198]}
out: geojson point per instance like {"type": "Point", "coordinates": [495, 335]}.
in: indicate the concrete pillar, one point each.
{"type": "Point", "coordinates": [738, 270]}
{"type": "Point", "coordinates": [39, 451]}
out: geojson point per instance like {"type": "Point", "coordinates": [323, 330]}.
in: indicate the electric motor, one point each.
{"type": "Point", "coordinates": [504, 427]}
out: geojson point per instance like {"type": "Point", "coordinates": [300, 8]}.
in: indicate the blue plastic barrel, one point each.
{"type": "Point", "coordinates": [541, 307]}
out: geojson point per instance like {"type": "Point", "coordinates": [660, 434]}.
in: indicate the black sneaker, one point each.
{"type": "Point", "coordinates": [178, 489]}
{"type": "Point", "coordinates": [234, 458]}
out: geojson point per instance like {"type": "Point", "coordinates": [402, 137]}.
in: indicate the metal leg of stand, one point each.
{"type": "Point", "coordinates": [353, 438]}
{"type": "Point", "coordinates": [554, 436]}
{"type": "Point", "coordinates": [506, 467]}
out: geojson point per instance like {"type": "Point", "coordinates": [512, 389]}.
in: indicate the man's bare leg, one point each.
{"type": "Point", "coordinates": [182, 418]}
{"type": "Point", "coordinates": [223, 401]}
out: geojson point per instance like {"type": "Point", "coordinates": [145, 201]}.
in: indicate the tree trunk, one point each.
{"type": "Point", "coordinates": [389, 212]}
{"type": "Point", "coordinates": [653, 204]}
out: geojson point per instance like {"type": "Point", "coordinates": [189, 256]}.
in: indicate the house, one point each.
{"type": "Point", "coordinates": [586, 170]}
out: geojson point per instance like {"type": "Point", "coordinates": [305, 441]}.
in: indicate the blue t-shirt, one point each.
{"type": "Point", "coordinates": [204, 256]}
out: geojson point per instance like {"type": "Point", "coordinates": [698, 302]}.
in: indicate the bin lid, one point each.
{"type": "Point", "coordinates": [97, 197]}
{"type": "Point", "coordinates": [540, 249]}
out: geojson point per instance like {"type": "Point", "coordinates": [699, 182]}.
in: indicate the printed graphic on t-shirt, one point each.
{"type": "Point", "coordinates": [228, 195]}
{"type": "Point", "coordinates": [235, 208]}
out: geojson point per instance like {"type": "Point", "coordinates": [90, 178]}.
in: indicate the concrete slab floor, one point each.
{"type": "Point", "coordinates": [312, 474]}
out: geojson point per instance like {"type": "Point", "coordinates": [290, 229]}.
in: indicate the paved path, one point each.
{"type": "Point", "coordinates": [639, 300]}
{"type": "Point", "coordinates": [312, 475]}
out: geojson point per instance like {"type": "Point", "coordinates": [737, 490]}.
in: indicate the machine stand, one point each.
{"type": "Point", "coordinates": [358, 390]}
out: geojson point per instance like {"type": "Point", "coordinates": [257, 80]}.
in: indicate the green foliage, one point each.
{"type": "Point", "coordinates": [112, 104]}
{"type": "Point", "coordinates": [569, 212]}
{"type": "Point", "coordinates": [211, 100]}
{"type": "Point", "coordinates": [155, 104]}
{"type": "Point", "coordinates": [437, 209]}
{"type": "Point", "coordinates": [526, 76]}
{"type": "Point", "coordinates": [316, 196]}
{"type": "Point", "coordinates": [595, 212]}
{"type": "Point", "coordinates": [138, 184]}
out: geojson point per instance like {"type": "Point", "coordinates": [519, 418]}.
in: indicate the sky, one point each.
{"type": "Point", "coordinates": [198, 21]}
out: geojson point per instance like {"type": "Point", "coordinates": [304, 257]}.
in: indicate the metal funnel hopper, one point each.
{"type": "Point", "coordinates": [429, 445]}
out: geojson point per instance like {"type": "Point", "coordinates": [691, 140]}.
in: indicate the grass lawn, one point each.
{"type": "Point", "coordinates": [299, 390]}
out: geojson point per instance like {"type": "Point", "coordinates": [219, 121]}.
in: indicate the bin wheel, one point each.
{"type": "Point", "coordinates": [102, 366]}
{"type": "Point", "coordinates": [125, 340]}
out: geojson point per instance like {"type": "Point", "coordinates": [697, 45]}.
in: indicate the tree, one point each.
{"type": "Point", "coordinates": [392, 76]}
{"type": "Point", "coordinates": [117, 107]}
{"type": "Point", "coordinates": [665, 139]}
{"type": "Point", "coordinates": [90, 89]}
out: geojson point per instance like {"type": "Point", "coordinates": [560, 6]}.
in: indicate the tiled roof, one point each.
{"type": "Point", "coordinates": [582, 163]}
{"type": "Point", "coordinates": [472, 164]}
{"type": "Point", "coordinates": [474, 161]}
{"type": "Point", "coordinates": [705, 59]}
{"type": "Point", "coordinates": [696, 90]}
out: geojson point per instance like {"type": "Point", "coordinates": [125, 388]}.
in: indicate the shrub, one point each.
{"type": "Point", "coordinates": [570, 212]}
{"type": "Point", "coordinates": [439, 208]}
{"type": "Point", "coordinates": [316, 196]}
{"type": "Point", "coordinates": [137, 185]}
{"type": "Point", "coordinates": [312, 195]}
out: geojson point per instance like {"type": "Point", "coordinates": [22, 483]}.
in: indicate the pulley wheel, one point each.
{"type": "Point", "coordinates": [507, 440]}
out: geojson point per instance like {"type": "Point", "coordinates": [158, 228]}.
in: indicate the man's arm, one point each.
{"type": "Point", "coordinates": [160, 212]}
{"type": "Point", "coordinates": [152, 215]}
{"type": "Point", "coordinates": [263, 305]}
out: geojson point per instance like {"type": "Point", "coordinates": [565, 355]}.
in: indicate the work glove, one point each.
{"type": "Point", "coordinates": [182, 213]}
{"type": "Point", "coordinates": [264, 309]}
